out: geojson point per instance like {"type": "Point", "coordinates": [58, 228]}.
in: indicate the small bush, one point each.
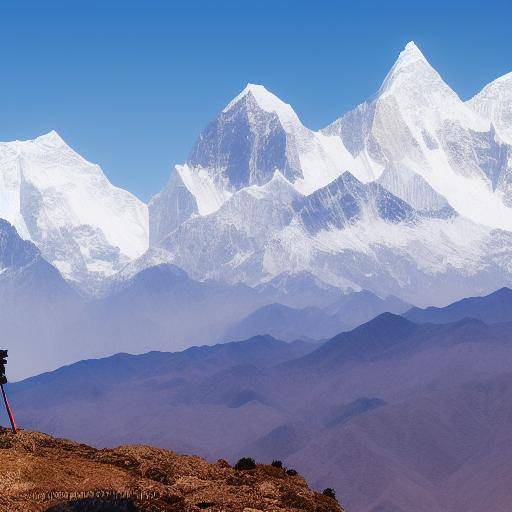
{"type": "Point", "coordinates": [291, 472]}
{"type": "Point", "coordinates": [277, 464]}
{"type": "Point", "coordinates": [329, 492]}
{"type": "Point", "coordinates": [245, 463]}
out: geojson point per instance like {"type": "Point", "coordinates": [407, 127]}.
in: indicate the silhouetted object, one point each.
{"type": "Point", "coordinates": [3, 380]}
{"type": "Point", "coordinates": [277, 464]}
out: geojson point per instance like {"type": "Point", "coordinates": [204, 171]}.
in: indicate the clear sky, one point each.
{"type": "Point", "coordinates": [130, 84]}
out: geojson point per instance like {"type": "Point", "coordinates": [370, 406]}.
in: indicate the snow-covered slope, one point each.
{"type": "Point", "coordinates": [416, 126]}
{"type": "Point", "coordinates": [494, 102]}
{"type": "Point", "coordinates": [254, 136]}
{"type": "Point", "coordinates": [81, 223]}
{"type": "Point", "coordinates": [350, 234]}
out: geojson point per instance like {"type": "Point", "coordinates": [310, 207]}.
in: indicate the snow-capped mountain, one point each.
{"type": "Point", "coordinates": [494, 102]}
{"type": "Point", "coordinates": [423, 143]}
{"type": "Point", "coordinates": [253, 137]}
{"type": "Point", "coordinates": [408, 194]}
{"type": "Point", "coordinates": [352, 235]}
{"type": "Point", "coordinates": [25, 276]}
{"type": "Point", "coordinates": [82, 224]}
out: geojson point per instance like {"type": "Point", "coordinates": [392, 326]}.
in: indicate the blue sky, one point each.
{"type": "Point", "coordinates": [130, 84]}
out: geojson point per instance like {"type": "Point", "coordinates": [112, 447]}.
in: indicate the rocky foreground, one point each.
{"type": "Point", "coordinates": [41, 473]}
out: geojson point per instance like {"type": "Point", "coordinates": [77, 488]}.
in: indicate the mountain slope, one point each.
{"type": "Point", "coordinates": [493, 308]}
{"type": "Point", "coordinates": [494, 102]}
{"type": "Point", "coordinates": [422, 454]}
{"type": "Point", "coordinates": [158, 308]}
{"type": "Point", "coordinates": [360, 307]}
{"type": "Point", "coordinates": [81, 223]}
{"type": "Point", "coordinates": [165, 383]}
{"type": "Point", "coordinates": [254, 136]}
{"type": "Point", "coordinates": [342, 313]}
{"type": "Point", "coordinates": [349, 234]}
{"type": "Point", "coordinates": [162, 308]}
{"type": "Point", "coordinates": [299, 290]}
{"type": "Point", "coordinates": [345, 200]}
{"type": "Point", "coordinates": [138, 478]}
{"type": "Point", "coordinates": [417, 127]}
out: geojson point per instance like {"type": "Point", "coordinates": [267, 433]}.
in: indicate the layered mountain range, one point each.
{"type": "Point", "coordinates": [269, 227]}
{"type": "Point", "coordinates": [407, 195]}
{"type": "Point", "coordinates": [46, 323]}
{"type": "Point", "coordinates": [397, 415]}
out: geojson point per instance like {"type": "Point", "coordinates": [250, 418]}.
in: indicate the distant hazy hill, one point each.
{"type": "Point", "coordinates": [493, 308]}
{"type": "Point", "coordinates": [423, 405]}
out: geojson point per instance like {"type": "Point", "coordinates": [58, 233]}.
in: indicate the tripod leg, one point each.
{"type": "Point", "coordinates": [9, 410]}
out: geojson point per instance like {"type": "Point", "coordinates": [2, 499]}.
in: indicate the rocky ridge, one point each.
{"type": "Point", "coordinates": [41, 473]}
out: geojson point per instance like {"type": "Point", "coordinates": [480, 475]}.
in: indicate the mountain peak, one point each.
{"type": "Point", "coordinates": [410, 66]}
{"type": "Point", "coordinates": [51, 138]}
{"type": "Point", "coordinates": [411, 53]}
{"type": "Point", "coordinates": [267, 101]}
{"type": "Point", "coordinates": [409, 56]}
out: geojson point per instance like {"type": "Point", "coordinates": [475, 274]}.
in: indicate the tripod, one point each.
{"type": "Point", "coordinates": [9, 410]}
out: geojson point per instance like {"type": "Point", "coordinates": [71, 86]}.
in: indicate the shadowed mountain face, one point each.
{"type": "Point", "coordinates": [24, 275]}
{"type": "Point", "coordinates": [412, 411]}
{"type": "Point", "coordinates": [345, 200]}
{"type": "Point", "coordinates": [493, 308]}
